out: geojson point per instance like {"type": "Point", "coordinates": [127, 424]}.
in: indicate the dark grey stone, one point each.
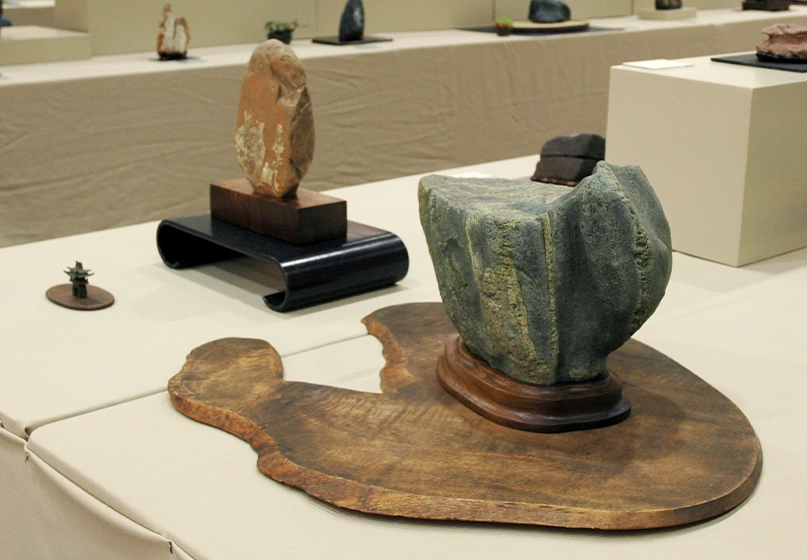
{"type": "Point", "coordinates": [668, 4]}
{"type": "Point", "coordinates": [549, 11]}
{"type": "Point", "coordinates": [563, 170]}
{"type": "Point", "coordinates": [351, 26]}
{"type": "Point", "coordinates": [544, 281]}
{"type": "Point", "coordinates": [586, 145]}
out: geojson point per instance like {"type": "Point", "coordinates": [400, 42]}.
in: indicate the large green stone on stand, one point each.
{"type": "Point", "coordinates": [544, 281]}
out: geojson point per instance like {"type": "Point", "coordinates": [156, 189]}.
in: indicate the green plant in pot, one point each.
{"type": "Point", "coordinates": [503, 26]}
{"type": "Point", "coordinates": [280, 30]}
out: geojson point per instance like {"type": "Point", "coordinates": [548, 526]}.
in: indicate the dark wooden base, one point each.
{"type": "Point", "coordinates": [363, 41]}
{"type": "Point", "coordinates": [563, 170]}
{"type": "Point", "coordinates": [767, 5]}
{"type": "Point", "coordinates": [97, 298]}
{"type": "Point", "coordinates": [309, 217]}
{"type": "Point", "coordinates": [537, 408]}
{"type": "Point", "coordinates": [686, 452]}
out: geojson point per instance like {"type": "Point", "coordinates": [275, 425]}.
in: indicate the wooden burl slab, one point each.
{"type": "Point", "coordinates": [686, 453]}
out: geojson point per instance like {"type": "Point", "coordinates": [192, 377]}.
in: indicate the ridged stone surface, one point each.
{"type": "Point", "coordinates": [544, 281]}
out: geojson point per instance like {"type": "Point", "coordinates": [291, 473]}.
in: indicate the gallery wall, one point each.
{"type": "Point", "coordinates": [131, 25]}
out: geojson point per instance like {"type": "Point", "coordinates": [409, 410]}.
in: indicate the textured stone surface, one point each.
{"type": "Point", "coordinates": [786, 40]}
{"type": "Point", "coordinates": [543, 281]}
{"type": "Point", "coordinates": [586, 145]}
{"type": "Point", "coordinates": [274, 134]}
{"type": "Point", "coordinates": [351, 26]}
{"type": "Point", "coordinates": [549, 11]}
{"type": "Point", "coordinates": [668, 4]}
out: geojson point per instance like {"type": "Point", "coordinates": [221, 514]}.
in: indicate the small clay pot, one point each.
{"type": "Point", "coordinates": [503, 30]}
{"type": "Point", "coordinates": [282, 36]}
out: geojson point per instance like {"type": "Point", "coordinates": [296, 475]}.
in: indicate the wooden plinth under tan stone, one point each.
{"type": "Point", "coordinates": [308, 217]}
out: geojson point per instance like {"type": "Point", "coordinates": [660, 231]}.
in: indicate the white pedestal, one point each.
{"type": "Point", "coordinates": [724, 146]}
{"type": "Point", "coordinates": [29, 44]}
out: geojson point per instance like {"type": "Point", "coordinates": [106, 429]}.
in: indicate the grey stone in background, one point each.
{"type": "Point", "coordinates": [549, 11]}
{"type": "Point", "coordinates": [544, 281]}
{"type": "Point", "coordinates": [351, 26]}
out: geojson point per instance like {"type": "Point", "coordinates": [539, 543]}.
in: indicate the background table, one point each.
{"type": "Point", "coordinates": [724, 147]}
{"type": "Point", "coordinates": [133, 479]}
{"type": "Point", "coordinates": [117, 140]}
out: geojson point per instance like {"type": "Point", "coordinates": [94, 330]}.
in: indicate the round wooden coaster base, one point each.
{"type": "Point", "coordinates": [97, 298]}
{"type": "Point", "coordinates": [537, 408]}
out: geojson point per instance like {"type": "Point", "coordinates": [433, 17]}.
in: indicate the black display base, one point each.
{"type": "Point", "coordinates": [368, 258]}
{"type": "Point", "coordinates": [539, 32]}
{"type": "Point", "coordinates": [362, 41]}
{"type": "Point", "coordinates": [752, 60]}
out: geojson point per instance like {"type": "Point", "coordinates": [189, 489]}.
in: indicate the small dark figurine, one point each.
{"type": "Point", "coordinates": [549, 11]}
{"type": "Point", "coordinates": [668, 4]}
{"type": "Point", "coordinates": [351, 26]}
{"type": "Point", "coordinates": [79, 295]}
{"type": "Point", "coordinates": [79, 279]}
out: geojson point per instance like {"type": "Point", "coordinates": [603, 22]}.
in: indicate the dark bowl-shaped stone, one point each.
{"type": "Point", "coordinates": [544, 281]}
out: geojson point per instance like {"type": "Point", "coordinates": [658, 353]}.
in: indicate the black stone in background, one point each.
{"type": "Point", "coordinates": [668, 4]}
{"type": "Point", "coordinates": [563, 170]}
{"type": "Point", "coordinates": [751, 59]}
{"type": "Point", "coordinates": [351, 26]}
{"type": "Point", "coordinates": [549, 11]}
{"type": "Point", "coordinates": [585, 145]}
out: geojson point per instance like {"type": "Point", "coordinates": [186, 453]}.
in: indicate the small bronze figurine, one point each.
{"type": "Point", "coordinates": [79, 294]}
{"type": "Point", "coordinates": [79, 280]}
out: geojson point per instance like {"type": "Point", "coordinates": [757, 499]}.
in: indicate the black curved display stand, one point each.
{"type": "Point", "coordinates": [368, 258]}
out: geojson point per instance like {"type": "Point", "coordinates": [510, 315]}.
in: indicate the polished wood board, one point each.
{"type": "Point", "coordinates": [685, 454]}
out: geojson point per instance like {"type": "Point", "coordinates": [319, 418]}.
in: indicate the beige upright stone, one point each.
{"type": "Point", "coordinates": [274, 134]}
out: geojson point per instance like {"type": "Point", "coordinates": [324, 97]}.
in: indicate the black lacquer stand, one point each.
{"type": "Point", "coordinates": [368, 258]}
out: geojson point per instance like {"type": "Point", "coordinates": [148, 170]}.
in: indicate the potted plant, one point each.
{"type": "Point", "coordinates": [503, 26]}
{"type": "Point", "coordinates": [280, 30]}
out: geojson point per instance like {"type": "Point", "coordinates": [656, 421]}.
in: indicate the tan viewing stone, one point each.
{"type": "Point", "coordinates": [274, 134]}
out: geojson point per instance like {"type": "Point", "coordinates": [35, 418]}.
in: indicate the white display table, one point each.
{"type": "Point", "coordinates": [724, 147]}
{"type": "Point", "coordinates": [139, 480]}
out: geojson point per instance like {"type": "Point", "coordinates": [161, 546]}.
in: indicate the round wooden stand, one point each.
{"type": "Point", "coordinates": [97, 298]}
{"type": "Point", "coordinates": [537, 408]}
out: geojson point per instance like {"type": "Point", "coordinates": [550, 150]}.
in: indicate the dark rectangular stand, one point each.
{"type": "Point", "coordinates": [308, 217]}
{"type": "Point", "coordinates": [366, 259]}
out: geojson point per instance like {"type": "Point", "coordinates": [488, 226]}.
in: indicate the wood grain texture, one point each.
{"type": "Point", "coordinates": [686, 453]}
{"type": "Point", "coordinates": [561, 407]}
{"type": "Point", "coordinates": [308, 217]}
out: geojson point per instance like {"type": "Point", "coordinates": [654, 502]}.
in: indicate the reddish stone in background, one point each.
{"type": "Point", "coordinates": [786, 40]}
{"type": "Point", "coordinates": [274, 134]}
